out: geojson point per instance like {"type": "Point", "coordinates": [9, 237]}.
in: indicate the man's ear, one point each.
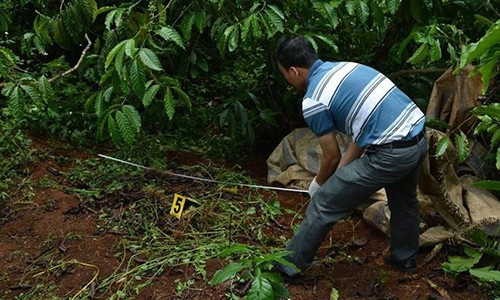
{"type": "Point", "coordinates": [294, 71]}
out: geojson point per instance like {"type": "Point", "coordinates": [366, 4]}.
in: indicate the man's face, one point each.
{"type": "Point", "coordinates": [294, 77]}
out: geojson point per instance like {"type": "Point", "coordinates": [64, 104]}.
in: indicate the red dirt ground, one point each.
{"type": "Point", "coordinates": [47, 230]}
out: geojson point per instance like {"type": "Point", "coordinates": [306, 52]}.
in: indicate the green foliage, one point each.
{"type": "Point", "coordinates": [486, 253]}
{"type": "Point", "coordinates": [255, 267]}
{"type": "Point", "coordinates": [487, 52]}
{"type": "Point", "coordinates": [210, 65]}
{"type": "Point", "coordinates": [489, 117]}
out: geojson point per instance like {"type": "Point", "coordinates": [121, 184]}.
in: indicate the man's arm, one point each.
{"type": "Point", "coordinates": [330, 159]}
{"type": "Point", "coordinates": [353, 152]}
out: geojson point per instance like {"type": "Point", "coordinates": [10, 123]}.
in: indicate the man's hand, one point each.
{"type": "Point", "coordinates": [313, 187]}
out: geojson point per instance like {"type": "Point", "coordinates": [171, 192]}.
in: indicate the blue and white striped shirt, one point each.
{"type": "Point", "coordinates": [359, 101]}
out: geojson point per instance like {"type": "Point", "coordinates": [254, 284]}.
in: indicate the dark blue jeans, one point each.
{"type": "Point", "coordinates": [396, 170]}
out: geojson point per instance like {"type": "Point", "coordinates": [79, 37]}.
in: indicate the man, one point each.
{"type": "Point", "coordinates": [385, 126]}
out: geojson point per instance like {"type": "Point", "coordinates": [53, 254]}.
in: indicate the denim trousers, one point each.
{"type": "Point", "coordinates": [396, 170]}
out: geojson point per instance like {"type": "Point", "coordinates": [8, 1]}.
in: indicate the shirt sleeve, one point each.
{"type": "Point", "coordinates": [317, 117]}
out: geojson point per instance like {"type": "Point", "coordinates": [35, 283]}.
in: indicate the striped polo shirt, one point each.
{"type": "Point", "coordinates": [360, 102]}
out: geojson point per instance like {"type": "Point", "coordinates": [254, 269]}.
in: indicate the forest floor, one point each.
{"type": "Point", "coordinates": [57, 241]}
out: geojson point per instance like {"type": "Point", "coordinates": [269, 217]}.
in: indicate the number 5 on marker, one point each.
{"type": "Point", "coordinates": [178, 206]}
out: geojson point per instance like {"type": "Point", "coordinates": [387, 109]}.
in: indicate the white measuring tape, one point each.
{"type": "Point", "coordinates": [204, 179]}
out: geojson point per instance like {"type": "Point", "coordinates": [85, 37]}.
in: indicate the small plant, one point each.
{"type": "Point", "coordinates": [254, 268]}
{"type": "Point", "coordinates": [481, 260]}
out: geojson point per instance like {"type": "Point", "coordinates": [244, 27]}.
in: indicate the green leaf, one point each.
{"type": "Point", "coordinates": [495, 139]}
{"type": "Point", "coordinates": [231, 37]}
{"type": "Point", "coordinates": [277, 11]}
{"type": "Point", "coordinates": [462, 147]}
{"type": "Point", "coordinates": [275, 20]}
{"type": "Point", "coordinates": [168, 102]}
{"type": "Point", "coordinates": [137, 79]}
{"type": "Point", "coordinates": [170, 34]}
{"type": "Point", "coordinates": [8, 55]}
{"type": "Point", "coordinates": [227, 273]}
{"type": "Point", "coordinates": [15, 103]}
{"type": "Point", "coordinates": [442, 145]}
{"type": "Point", "coordinates": [475, 50]}
{"type": "Point", "coordinates": [235, 248]}
{"type": "Point", "coordinates": [437, 124]}
{"type": "Point", "coordinates": [492, 185]}
{"type": "Point", "coordinates": [261, 288]}
{"type": "Point", "coordinates": [200, 20]}
{"type": "Point", "coordinates": [458, 264]}
{"type": "Point", "coordinates": [150, 94]}
{"type": "Point", "coordinates": [419, 56]}
{"type": "Point", "coordinates": [109, 19]}
{"type": "Point", "coordinates": [107, 94]}
{"type": "Point", "coordinates": [183, 96]}
{"type": "Point", "coordinates": [486, 69]}
{"type": "Point", "coordinates": [127, 130]}
{"type": "Point", "coordinates": [133, 116]}
{"type": "Point", "coordinates": [149, 59]}
{"type": "Point", "coordinates": [187, 26]}
{"type": "Point", "coordinates": [329, 42]}
{"type": "Point", "coordinates": [334, 294]}
{"type": "Point", "coordinates": [491, 110]}
{"type": "Point", "coordinates": [486, 274]}
{"type": "Point", "coordinates": [435, 51]}
{"type": "Point", "coordinates": [498, 159]}
{"type": "Point", "coordinates": [112, 54]}
{"type": "Point", "coordinates": [279, 290]}
{"type": "Point", "coordinates": [33, 93]}
{"type": "Point", "coordinates": [130, 49]}
{"type": "Point", "coordinates": [393, 6]}
{"type": "Point", "coordinates": [113, 130]}
{"type": "Point", "coordinates": [256, 30]}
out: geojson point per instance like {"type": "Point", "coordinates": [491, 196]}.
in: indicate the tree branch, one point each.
{"type": "Point", "coordinates": [82, 56]}
{"type": "Point", "coordinates": [65, 73]}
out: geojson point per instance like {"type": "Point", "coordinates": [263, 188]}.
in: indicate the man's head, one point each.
{"type": "Point", "coordinates": [295, 56]}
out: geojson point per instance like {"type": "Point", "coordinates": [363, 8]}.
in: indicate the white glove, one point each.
{"type": "Point", "coordinates": [313, 187]}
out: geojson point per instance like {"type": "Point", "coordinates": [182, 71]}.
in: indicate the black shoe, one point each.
{"type": "Point", "coordinates": [407, 266]}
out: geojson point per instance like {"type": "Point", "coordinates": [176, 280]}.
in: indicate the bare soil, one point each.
{"type": "Point", "coordinates": [59, 225]}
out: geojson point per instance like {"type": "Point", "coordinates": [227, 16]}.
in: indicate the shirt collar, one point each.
{"type": "Point", "coordinates": [313, 69]}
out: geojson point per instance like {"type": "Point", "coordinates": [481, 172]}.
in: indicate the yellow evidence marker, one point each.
{"type": "Point", "coordinates": [178, 205]}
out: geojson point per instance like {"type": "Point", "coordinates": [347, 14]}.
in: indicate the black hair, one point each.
{"type": "Point", "coordinates": [296, 51]}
